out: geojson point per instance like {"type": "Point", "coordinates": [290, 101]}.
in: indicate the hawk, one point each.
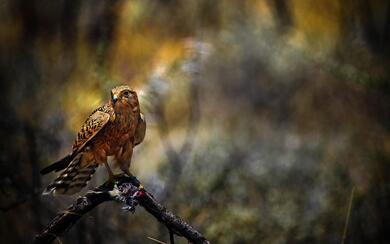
{"type": "Point", "coordinates": [113, 129]}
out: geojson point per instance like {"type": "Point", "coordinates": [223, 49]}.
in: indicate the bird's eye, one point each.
{"type": "Point", "coordinates": [126, 94]}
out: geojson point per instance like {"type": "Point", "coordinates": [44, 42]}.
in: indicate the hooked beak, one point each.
{"type": "Point", "coordinates": [114, 98]}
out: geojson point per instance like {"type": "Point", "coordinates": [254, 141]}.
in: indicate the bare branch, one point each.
{"type": "Point", "coordinates": [125, 189]}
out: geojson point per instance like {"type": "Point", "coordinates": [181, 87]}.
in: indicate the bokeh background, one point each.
{"type": "Point", "coordinates": [263, 115]}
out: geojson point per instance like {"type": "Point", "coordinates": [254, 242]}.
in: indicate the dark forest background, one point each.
{"type": "Point", "coordinates": [263, 115]}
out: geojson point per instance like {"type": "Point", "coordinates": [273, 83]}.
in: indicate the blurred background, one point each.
{"type": "Point", "coordinates": [263, 115]}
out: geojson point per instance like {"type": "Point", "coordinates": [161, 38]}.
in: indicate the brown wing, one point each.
{"type": "Point", "coordinates": [140, 130]}
{"type": "Point", "coordinates": [95, 122]}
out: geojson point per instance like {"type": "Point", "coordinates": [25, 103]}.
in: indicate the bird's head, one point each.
{"type": "Point", "coordinates": [123, 97]}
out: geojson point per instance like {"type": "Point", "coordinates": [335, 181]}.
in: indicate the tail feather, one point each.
{"type": "Point", "coordinates": [73, 178]}
{"type": "Point", "coordinates": [59, 165]}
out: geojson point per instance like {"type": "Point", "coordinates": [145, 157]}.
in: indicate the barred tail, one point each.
{"type": "Point", "coordinates": [59, 165]}
{"type": "Point", "coordinates": [73, 178]}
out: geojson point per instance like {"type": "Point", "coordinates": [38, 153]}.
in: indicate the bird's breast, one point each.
{"type": "Point", "coordinates": [119, 132]}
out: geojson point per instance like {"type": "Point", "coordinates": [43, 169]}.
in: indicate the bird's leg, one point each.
{"type": "Point", "coordinates": [124, 160]}
{"type": "Point", "coordinates": [124, 166]}
{"type": "Point", "coordinates": [110, 174]}
{"type": "Point", "coordinates": [101, 158]}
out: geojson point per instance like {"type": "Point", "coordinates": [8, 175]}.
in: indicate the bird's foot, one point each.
{"type": "Point", "coordinates": [133, 179]}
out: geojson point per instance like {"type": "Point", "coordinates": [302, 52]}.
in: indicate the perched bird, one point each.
{"type": "Point", "coordinates": [113, 129]}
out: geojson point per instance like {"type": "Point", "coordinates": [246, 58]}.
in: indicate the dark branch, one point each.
{"type": "Point", "coordinates": [125, 189]}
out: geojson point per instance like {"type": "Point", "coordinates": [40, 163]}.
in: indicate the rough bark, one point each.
{"type": "Point", "coordinates": [124, 189]}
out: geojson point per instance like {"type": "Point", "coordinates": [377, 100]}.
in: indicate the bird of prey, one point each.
{"type": "Point", "coordinates": [113, 129]}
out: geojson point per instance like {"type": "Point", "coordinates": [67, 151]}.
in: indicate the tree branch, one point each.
{"type": "Point", "coordinates": [124, 189]}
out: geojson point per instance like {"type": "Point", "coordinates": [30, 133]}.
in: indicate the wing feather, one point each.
{"type": "Point", "coordinates": [95, 123]}
{"type": "Point", "coordinates": [140, 130]}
